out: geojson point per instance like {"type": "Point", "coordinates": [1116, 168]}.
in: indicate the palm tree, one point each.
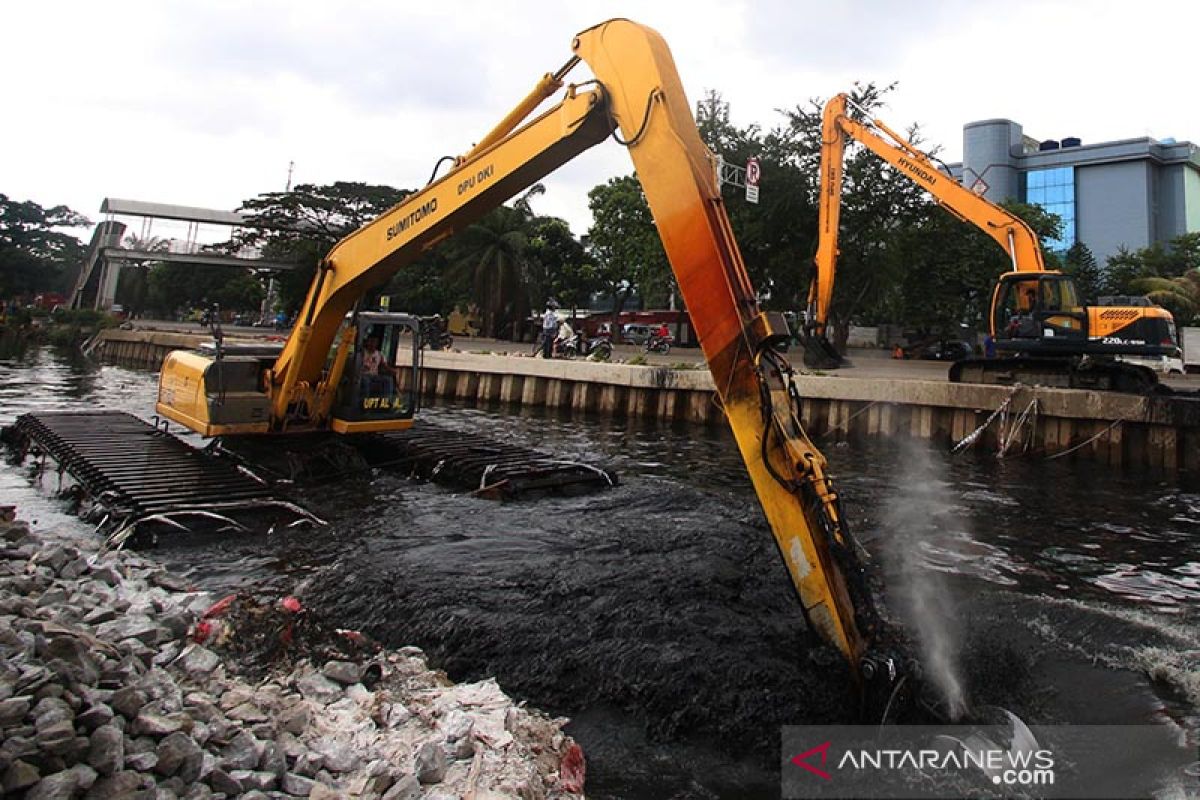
{"type": "Point", "coordinates": [494, 259]}
{"type": "Point", "coordinates": [1179, 295]}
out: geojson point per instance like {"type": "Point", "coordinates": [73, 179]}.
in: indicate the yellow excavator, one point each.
{"type": "Point", "coordinates": [637, 99]}
{"type": "Point", "coordinates": [1041, 330]}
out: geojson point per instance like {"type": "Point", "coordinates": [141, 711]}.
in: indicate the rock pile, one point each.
{"type": "Point", "coordinates": [105, 693]}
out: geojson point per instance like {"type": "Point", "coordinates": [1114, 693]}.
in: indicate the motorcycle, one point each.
{"type": "Point", "coordinates": [598, 348]}
{"type": "Point", "coordinates": [658, 344]}
{"type": "Point", "coordinates": [434, 334]}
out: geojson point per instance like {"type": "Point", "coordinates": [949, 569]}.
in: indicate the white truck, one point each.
{"type": "Point", "coordinates": [1189, 338]}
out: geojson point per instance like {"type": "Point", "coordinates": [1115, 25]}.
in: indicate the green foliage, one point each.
{"type": "Point", "coordinates": [776, 235]}
{"type": "Point", "coordinates": [84, 317]}
{"type": "Point", "coordinates": [1081, 265]}
{"type": "Point", "coordinates": [503, 263]}
{"type": "Point", "coordinates": [624, 245]}
{"type": "Point", "coordinates": [303, 225]}
{"type": "Point", "coordinates": [1167, 274]}
{"type": "Point", "coordinates": [1180, 295]}
{"type": "Point", "coordinates": [492, 257]}
{"type": "Point", "coordinates": [557, 265]}
{"type": "Point", "coordinates": [72, 326]}
{"type": "Point", "coordinates": [952, 267]}
{"type": "Point", "coordinates": [422, 287]}
{"type": "Point", "coordinates": [172, 287]}
{"type": "Point", "coordinates": [1047, 226]}
{"type": "Point", "coordinates": [34, 255]}
{"type": "Point", "coordinates": [1173, 259]}
{"type": "Point", "coordinates": [880, 210]}
{"type": "Point", "coordinates": [1122, 270]}
{"type": "Point", "coordinates": [133, 284]}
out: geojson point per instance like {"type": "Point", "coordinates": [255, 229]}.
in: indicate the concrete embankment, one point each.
{"type": "Point", "coordinates": [106, 692]}
{"type": "Point", "coordinates": [1160, 432]}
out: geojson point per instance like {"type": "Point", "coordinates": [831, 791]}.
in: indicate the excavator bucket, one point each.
{"type": "Point", "coordinates": [819, 352]}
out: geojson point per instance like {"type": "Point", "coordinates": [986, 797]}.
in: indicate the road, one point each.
{"type": "Point", "coordinates": [863, 362]}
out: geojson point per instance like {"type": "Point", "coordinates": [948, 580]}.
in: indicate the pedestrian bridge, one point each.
{"type": "Point", "coordinates": [108, 252]}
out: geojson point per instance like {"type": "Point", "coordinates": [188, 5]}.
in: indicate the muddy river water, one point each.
{"type": "Point", "coordinates": [658, 616]}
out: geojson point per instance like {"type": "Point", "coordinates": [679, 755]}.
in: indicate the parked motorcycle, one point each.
{"type": "Point", "coordinates": [599, 347]}
{"type": "Point", "coordinates": [434, 334]}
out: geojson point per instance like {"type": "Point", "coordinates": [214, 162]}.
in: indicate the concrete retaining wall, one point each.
{"type": "Point", "coordinates": [1162, 433]}
{"type": "Point", "coordinates": [140, 348]}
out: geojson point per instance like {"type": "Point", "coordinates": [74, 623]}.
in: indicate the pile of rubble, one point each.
{"type": "Point", "coordinates": [117, 681]}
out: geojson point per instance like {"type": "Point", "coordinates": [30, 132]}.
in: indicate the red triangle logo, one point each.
{"type": "Point", "coordinates": [802, 760]}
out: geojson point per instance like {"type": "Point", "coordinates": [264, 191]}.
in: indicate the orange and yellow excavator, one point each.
{"type": "Point", "coordinates": [1041, 330]}
{"type": "Point", "coordinates": [636, 98]}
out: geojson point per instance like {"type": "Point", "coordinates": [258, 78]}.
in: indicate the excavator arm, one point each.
{"type": "Point", "coordinates": [837, 126]}
{"type": "Point", "coordinates": [1037, 323]}
{"type": "Point", "coordinates": [636, 97]}
{"type": "Point", "coordinates": [739, 341]}
{"type": "Point", "coordinates": [369, 257]}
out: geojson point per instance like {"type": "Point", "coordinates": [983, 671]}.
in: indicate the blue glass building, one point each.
{"type": "Point", "coordinates": [1128, 193]}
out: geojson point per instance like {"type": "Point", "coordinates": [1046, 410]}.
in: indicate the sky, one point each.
{"type": "Point", "coordinates": [205, 103]}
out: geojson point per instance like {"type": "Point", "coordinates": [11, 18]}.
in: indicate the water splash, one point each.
{"type": "Point", "coordinates": [918, 519]}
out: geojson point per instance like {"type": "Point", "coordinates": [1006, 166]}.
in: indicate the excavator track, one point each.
{"type": "Point", "coordinates": [495, 470]}
{"type": "Point", "coordinates": [483, 466]}
{"type": "Point", "coordinates": [127, 472]}
{"type": "Point", "coordinates": [1060, 373]}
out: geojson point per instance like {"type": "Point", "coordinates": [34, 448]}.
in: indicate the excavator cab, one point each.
{"type": "Point", "coordinates": [380, 386]}
{"type": "Point", "coordinates": [1038, 312]}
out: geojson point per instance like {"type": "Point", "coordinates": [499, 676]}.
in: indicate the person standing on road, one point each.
{"type": "Point", "coordinates": [549, 329]}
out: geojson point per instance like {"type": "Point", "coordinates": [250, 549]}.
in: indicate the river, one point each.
{"type": "Point", "coordinates": [658, 616]}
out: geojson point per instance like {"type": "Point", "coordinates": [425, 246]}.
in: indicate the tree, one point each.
{"type": "Point", "coordinates": [1081, 265]}
{"type": "Point", "coordinates": [1180, 295]}
{"type": "Point", "coordinates": [493, 257]}
{"type": "Point", "coordinates": [35, 256]}
{"type": "Point", "coordinates": [624, 243]}
{"type": "Point", "coordinates": [1121, 271]}
{"type": "Point", "coordinates": [1168, 275]}
{"type": "Point", "coordinates": [775, 235]}
{"type": "Point", "coordinates": [171, 286]}
{"type": "Point", "coordinates": [880, 210]}
{"type": "Point", "coordinates": [303, 225]}
{"type": "Point", "coordinates": [133, 283]}
{"type": "Point", "coordinates": [557, 266]}
{"type": "Point", "coordinates": [1176, 258]}
{"type": "Point", "coordinates": [422, 287]}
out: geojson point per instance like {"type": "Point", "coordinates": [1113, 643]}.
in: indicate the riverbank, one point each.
{"type": "Point", "coordinates": [1158, 432]}
{"type": "Point", "coordinates": [118, 679]}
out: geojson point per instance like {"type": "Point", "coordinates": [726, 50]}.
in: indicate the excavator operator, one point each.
{"type": "Point", "coordinates": [376, 378]}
